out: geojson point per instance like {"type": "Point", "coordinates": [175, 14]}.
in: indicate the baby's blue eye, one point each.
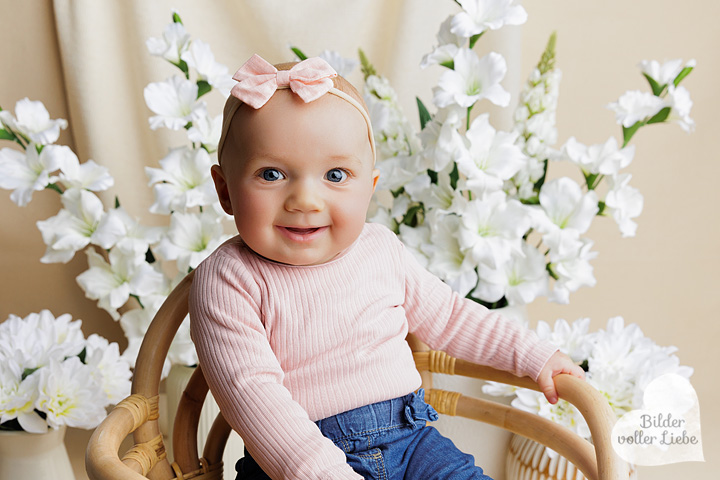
{"type": "Point", "coordinates": [271, 175]}
{"type": "Point", "coordinates": [336, 175]}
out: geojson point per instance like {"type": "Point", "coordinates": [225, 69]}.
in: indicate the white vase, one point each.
{"type": "Point", "coordinates": [175, 384]}
{"type": "Point", "coordinates": [529, 460]}
{"type": "Point", "coordinates": [487, 443]}
{"type": "Point", "coordinates": [26, 455]}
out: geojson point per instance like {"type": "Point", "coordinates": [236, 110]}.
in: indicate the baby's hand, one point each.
{"type": "Point", "coordinates": [558, 363]}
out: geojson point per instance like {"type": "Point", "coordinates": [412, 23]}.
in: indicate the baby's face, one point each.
{"type": "Point", "coordinates": [297, 177]}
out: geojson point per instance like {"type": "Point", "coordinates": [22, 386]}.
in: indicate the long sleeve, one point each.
{"type": "Point", "coordinates": [246, 378]}
{"type": "Point", "coordinates": [467, 330]}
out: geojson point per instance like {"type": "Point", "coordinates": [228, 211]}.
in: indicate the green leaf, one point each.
{"type": "Point", "coordinates": [182, 65]}
{"type": "Point", "coordinates": [82, 355]}
{"type": "Point", "coordinates": [454, 175]}
{"type": "Point", "coordinates": [203, 87]}
{"type": "Point", "coordinates": [54, 186]}
{"type": "Point", "coordinates": [628, 132]}
{"type": "Point", "coordinates": [411, 217]}
{"type": "Point", "coordinates": [550, 271]}
{"type": "Point", "coordinates": [149, 257]}
{"type": "Point", "coordinates": [27, 372]}
{"type": "Point", "coordinates": [176, 18]}
{"type": "Point", "coordinates": [299, 53]}
{"type": "Point", "coordinates": [661, 116]}
{"type": "Point", "coordinates": [656, 87]}
{"type": "Point", "coordinates": [475, 38]}
{"type": "Point", "coordinates": [366, 67]}
{"type": "Point", "coordinates": [601, 207]}
{"type": "Point", "coordinates": [530, 201]}
{"type": "Point", "coordinates": [5, 135]}
{"type": "Point", "coordinates": [423, 112]}
{"type": "Point", "coordinates": [449, 64]}
{"type": "Point", "coordinates": [433, 176]}
{"type": "Point", "coordinates": [117, 202]}
{"type": "Point", "coordinates": [541, 181]}
{"type": "Point", "coordinates": [683, 73]}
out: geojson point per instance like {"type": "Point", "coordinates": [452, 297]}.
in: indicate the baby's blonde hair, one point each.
{"type": "Point", "coordinates": [339, 83]}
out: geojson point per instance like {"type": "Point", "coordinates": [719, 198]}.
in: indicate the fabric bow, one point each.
{"type": "Point", "coordinates": [258, 80]}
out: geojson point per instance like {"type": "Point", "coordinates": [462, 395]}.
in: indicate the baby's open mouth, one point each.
{"type": "Point", "coordinates": [303, 231]}
{"type": "Point", "coordinates": [302, 234]}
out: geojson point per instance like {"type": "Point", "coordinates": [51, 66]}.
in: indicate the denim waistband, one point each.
{"type": "Point", "coordinates": [409, 410]}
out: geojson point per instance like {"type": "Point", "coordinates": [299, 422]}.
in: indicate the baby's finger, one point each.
{"type": "Point", "coordinates": [547, 387]}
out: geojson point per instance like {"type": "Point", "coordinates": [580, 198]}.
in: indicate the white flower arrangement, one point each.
{"type": "Point", "coordinates": [475, 204]}
{"type": "Point", "coordinates": [619, 361]}
{"type": "Point", "coordinates": [50, 375]}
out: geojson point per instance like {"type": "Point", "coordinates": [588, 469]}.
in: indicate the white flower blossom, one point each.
{"type": "Point", "coordinates": [490, 158]}
{"type": "Point", "coordinates": [565, 206]}
{"type": "Point", "coordinates": [570, 258]}
{"type": "Point", "coordinates": [605, 159]}
{"type": "Point", "coordinates": [491, 228]}
{"type": "Point", "coordinates": [447, 260]}
{"type": "Point", "coordinates": [33, 122]}
{"type": "Point", "coordinates": [664, 73]}
{"type": "Point", "coordinates": [625, 203]}
{"type": "Point", "coordinates": [73, 228]}
{"type": "Point", "coordinates": [562, 413]}
{"type": "Point", "coordinates": [572, 339]}
{"type": "Point", "coordinates": [18, 397]}
{"type": "Point", "coordinates": [174, 102]}
{"type": "Point", "coordinates": [448, 45]}
{"type": "Point", "coordinates": [520, 280]}
{"type": "Point", "coordinates": [190, 239]}
{"type": "Point", "coordinates": [183, 182]}
{"type": "Point", "coordinates": [173, 43]}
{"type": "Point", "coordinates": [679, 101]}
{"type": "Point", "coordinates": [481, 15]}
{"type": "Point", "coordinates": [472, 79]}
{"type": "Point", "coordinates": [205, 130]}
{"type": "Point", "coordinates": [343, 66]}
{"type": "Point", "coordinates": [88, 175]}
{"type": "Point", "coordinates": [200, 57]}
{"type": "Point", "coordinates": [28, 172]}
{"type": "Point", "coordinates": [112, 283]}
{"type": "Point", "coordinates": [109, 369]}
{"type": "Point", "coordinates": [69, 395]}
{"type": "Point", "coordinates": [635, 106]}
{"type": "Point", "coordinates": [119, 230]}
{"type": "Point", "coordinates": [441, 139]}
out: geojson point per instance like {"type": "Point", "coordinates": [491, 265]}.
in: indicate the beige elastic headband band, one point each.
{"type": "Point", "coordinates": [233, 103]}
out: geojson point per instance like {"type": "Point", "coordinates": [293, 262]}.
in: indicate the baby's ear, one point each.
{"type": "Point", "coordinates": [221, 188]}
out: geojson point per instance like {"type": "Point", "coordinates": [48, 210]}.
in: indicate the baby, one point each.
{"type": "Point", "coordinates": [300, 321]}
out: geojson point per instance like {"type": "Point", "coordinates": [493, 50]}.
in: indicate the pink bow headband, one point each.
{"type": "Point", "coordinates": [258, 81]}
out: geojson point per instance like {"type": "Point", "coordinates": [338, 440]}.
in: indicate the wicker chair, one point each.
{"type": "Point", "coordinates": [138, 414]}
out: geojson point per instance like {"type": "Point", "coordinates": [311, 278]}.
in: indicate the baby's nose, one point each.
{"type": "Point", "coordinates": [304, 197]}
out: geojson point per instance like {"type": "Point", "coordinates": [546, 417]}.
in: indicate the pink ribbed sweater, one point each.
{"type": "Point", "coordinates": [282, 346]}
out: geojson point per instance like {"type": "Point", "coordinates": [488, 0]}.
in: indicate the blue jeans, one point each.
{"type": "Point", "coordinates": [389, 440]}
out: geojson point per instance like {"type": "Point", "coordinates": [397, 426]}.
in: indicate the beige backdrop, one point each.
{"type": "Point", "coordinates": [87, 62]}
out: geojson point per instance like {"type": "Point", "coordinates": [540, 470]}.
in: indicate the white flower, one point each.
{"type": "Point", "coordinates": [573, 340]}
{"type": "Point", "coordinates": [492, 227]}
{"type": "Point", "coordinates": [113, 283]}
{"type": "Point", "coordinates": [481, 15]}
{"type": "Point", "coordinates": [18, 397]}
{"type": "Point", "coordinates": [343, 66]}
{"type": "Point", "coordinates": [397, 171]}
{"type": "Point", "coordinates": [679, 101]}
{"type": "Point", "coordinates": [664, 73]}
{"type": "Point", "coordinates": [173, 43]}
{"type": "Point", "coordinates": [441, 138]}
{"type": "Point", "coordinates": [635, 106]}
{"type": "Point", "coordinates": [605, 159]}
{"type": "Point", "coordinates": [380, 87]}
{"type": "Point", "coordinates": [73, 228]}
{"type": "Point", "coordinates": [625, 203]}
{"type": "Point", "coordinates": [109, 369]}
{"type": "Point", "coordinates": [448, 45]}
{"type": "Point", "coordinates": [440, 195]}
{"type": "Point", "coordinates": [184, 181]}
{"type": "Point", "coordinates": [88, 175]}
{"type": "Point", "coordinates": [205, 130]}
{"type": "Point", "coordinates": [118, 229]}
{"type": "Point", "coordinates": [473, 79]}
{"type": "Point", "coordinates": [447, 259]}
{"type": "Point", "coordinates": [570, 261]}
{"type": "Point", "coordinates": [69, 395]}
{"type": "Point", "coordinates": [33, 122]}
{"type": "Point", "coordinates": [565, 206]}
{"type": "Point", "coordinates": [520, 280]}
{"type": "Point", "coordinates": [190, 239]}
{"type": "Point", "coordinates": [491, 157]}
{"type": "Point", "coordinates": [25, 173]}
{"type": "Point", "coordinates": [174, 102]}
{"type": "Point", "coordinates": [200, 57]}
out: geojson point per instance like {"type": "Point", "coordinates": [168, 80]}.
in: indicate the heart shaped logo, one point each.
{"type": "Point", "coordinates": [667, 428]}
